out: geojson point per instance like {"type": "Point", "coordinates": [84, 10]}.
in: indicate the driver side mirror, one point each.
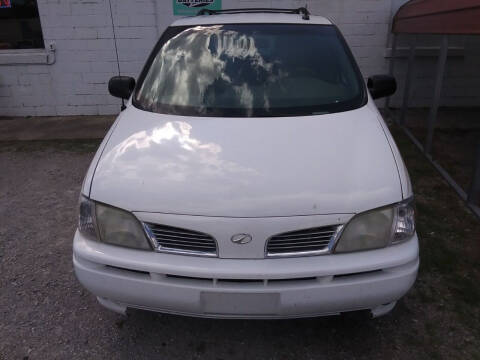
{"type": "Point", "coordinates": [121, 86]}
{"type": "Point", "coordinates": [381, 85]}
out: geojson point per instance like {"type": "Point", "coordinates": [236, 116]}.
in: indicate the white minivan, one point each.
{"type": "Point", "coordinates": [249, 176]}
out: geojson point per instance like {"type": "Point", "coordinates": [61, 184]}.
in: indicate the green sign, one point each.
{"type": "Point", "coordinates": [192, 7]}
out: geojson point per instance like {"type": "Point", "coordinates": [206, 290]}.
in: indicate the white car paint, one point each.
{"type": "Point", "coordinates": [327, 293]}
{"type": "Point", "coordinates": [261, 176]}
{"type": "Point", "coordinates": [264, 166]}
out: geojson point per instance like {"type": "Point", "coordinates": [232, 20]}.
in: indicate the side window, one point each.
{"type": "Point", "coordinates": [20, 25]}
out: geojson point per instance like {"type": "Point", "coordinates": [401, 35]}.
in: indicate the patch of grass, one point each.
{"type": "Point", "coordinates": [430, 328]}
{"type": "Point", "coordinates": [466, 289]}
{"type": "Point", "coordinates": [449, 236]}
{"type": "Point", "coordinates": [434, 355]}
{"type": "Point", "coordinates": [63, 145]}
{"type": "Point", "coordinates": [426, 294]}
{"type": "Point", "coordinates": [412, 339]}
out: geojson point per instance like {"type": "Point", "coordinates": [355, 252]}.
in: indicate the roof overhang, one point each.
{"type": "Point", "coordinates": [438, 17]}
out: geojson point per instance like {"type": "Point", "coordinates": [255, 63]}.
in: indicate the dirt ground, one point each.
{"type": "Point", "coordinates": [46, 314]}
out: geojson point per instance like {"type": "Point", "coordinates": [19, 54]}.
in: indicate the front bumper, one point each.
{"type": "Point", "coordinates": [243, 288]}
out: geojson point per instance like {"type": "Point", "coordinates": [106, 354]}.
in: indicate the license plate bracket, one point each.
{"type": "Point", "coordinates": [222, 303]}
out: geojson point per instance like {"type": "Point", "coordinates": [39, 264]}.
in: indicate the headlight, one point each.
{"type": "Point", "coordinates": [115, 226]}
{"type": "Point", "coordinates": [378, 228]}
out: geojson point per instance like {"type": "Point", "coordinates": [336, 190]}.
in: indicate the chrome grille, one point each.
{"type": "Point", "coordinates": [302, 242]}
{"type": "Point", "coordinates": [181, 241]}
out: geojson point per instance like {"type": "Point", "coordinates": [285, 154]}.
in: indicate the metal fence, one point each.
{"type": "Point", "coordinates": [469, 193]}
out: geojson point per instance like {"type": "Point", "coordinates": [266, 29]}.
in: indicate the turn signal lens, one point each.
{"type": "Point", "coordinates": [86, 218]}
{"type": "Point", "coordinates": [404, 221]}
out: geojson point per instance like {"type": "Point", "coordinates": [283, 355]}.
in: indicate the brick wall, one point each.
{"type": "Point", "coordinates": [84, 59]}
{"type": "Point", "coordinates": [76, 84]}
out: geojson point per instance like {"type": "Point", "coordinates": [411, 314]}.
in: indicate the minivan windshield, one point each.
{"type": "Point", "coordinates": [245, 70]}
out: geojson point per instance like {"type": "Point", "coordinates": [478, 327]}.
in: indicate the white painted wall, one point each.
{"type": "Point", "coordinates": [85, 58]}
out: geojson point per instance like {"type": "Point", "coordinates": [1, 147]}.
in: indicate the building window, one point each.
{"type": "Point", "coordinates": [20, 25]}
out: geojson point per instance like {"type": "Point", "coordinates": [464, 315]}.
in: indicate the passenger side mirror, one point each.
{"type": "Point", "coordinates": [121, 86]}
{"type": "Point", "coordinates": [381, 85]}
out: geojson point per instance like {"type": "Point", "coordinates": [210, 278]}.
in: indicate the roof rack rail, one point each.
{"type": "Point", "coordinates": [301, 10]}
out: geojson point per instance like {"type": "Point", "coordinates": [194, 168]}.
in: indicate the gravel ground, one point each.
{"type": "Point", "coordinates": [46, 314]}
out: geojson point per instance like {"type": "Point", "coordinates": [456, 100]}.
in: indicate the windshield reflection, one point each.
{"type": "Point", "coordinates": [209, 66]}
{"type": "Point", "coordinates": [183, 157]}
{"type": "Point", "coordinates": [250, 70]}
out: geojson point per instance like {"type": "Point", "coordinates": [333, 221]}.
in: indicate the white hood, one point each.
{"type": "Point", "coordinates": [247, 167]}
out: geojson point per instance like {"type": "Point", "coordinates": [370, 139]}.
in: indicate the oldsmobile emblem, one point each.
{"type": "Point", "coordinates": [241, 239]}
